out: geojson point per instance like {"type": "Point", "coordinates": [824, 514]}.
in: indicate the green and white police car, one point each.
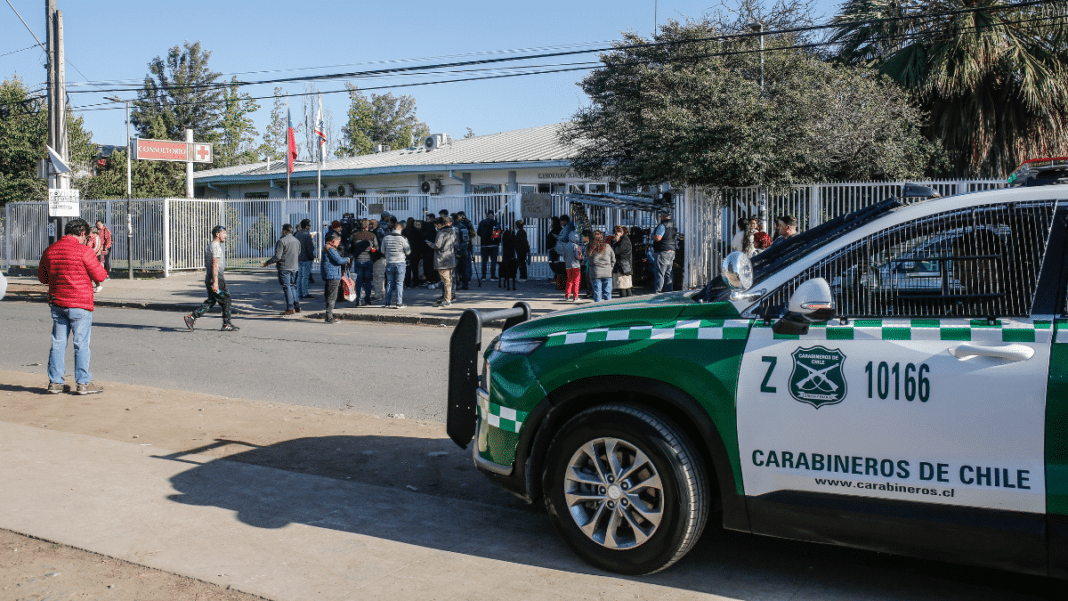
{"type": "Point", "coordinates": [807, 394]}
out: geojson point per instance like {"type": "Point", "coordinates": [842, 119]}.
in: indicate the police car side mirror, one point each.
{"type": "Point", "coordinates": [737, 271]}
{"type": "Point", "coordinates": [811, 302]}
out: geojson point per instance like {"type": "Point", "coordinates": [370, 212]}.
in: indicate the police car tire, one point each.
{"type": "Point", "coordinates": [681, 470]}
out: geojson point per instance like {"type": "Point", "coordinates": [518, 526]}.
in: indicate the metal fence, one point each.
{"type": "Point", "coordinates": [709, 217]}
{"type": "Point", "coordinates": [168, 235]}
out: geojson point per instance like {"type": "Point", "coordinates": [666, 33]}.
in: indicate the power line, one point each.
{"type": "Point", "coordinates": [20, 49]}
{"type": "Point", "coordinates": [528, 70]}
{"type": "Point", "coordinates": [720, 38]}
{"type": "Point", "coordinates": [381, 62]}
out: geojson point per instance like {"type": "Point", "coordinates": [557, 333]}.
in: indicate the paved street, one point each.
{"type": "Point", "coordinates": [305, 491]}
{"type": "Point", "coordinates": [370, 368]}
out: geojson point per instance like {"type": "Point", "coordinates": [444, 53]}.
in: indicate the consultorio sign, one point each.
{"type": "Point", "coordinates": [166, 150]}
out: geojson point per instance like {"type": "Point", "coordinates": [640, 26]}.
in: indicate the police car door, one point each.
{"type": "Point", "coordinates": [915, 420]}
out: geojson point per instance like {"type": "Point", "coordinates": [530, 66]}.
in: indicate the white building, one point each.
{"type": "Point", "coordinates": [525, 160]}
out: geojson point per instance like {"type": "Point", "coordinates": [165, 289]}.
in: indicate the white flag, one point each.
{"type": "Point", "coordinates": [320, 125]}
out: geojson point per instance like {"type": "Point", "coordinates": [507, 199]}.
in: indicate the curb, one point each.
{"type": "Point", "coordinates": [188, 308]}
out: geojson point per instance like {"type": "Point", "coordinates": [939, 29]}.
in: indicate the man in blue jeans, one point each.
{"type": "Point", "coordinates": [70, 268]}
{"type": "Point", "coordinates": [287, 255]}
{"type": "Point", "coordinates": [665, 238]}
{"type": "Point", "coordinates": [306, 259]}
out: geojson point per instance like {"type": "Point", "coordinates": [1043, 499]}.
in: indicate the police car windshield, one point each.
{"type": "Point", "coordinates": [786, 252]}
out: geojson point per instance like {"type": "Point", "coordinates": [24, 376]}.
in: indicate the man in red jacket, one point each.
{"type": "Point", "coordinates": [70, 268]}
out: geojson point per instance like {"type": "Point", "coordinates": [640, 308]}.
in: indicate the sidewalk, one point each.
{"type": "Point", "coordinates": [257, 293]}
{"type": "Point", "coordinates": [288, 503]}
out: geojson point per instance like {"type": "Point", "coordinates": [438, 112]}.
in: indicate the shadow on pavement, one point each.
{"type": "Point", "coordinates": [426, 492]}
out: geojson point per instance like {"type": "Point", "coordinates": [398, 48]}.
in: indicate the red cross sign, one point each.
{"type": "Point", "coordinates": [202, 153]}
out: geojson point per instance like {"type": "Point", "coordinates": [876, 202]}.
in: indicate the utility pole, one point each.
{"type": "Point", "coordinates": [57, 101]}
{"type": "Point", "coordinates": [129, 185]}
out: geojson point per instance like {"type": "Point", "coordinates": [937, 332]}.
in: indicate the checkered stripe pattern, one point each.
{"type": "Point", "coordinates": [694, 329]}
{"type": "Point", "coordinates": [1061, 336]}
{"type": "Point", "coordinates": [504, 418]}
{"type": "Point", "coordinates": [978, 330]}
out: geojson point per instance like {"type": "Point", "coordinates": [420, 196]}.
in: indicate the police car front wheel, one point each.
{"type": "Point", "coordinates": [625, 490]}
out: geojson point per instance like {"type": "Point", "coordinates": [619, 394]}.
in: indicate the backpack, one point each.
{"type": "Point", "coordinates": [465, 240]}
{"type": "Point", "coordinates": [495, 234]}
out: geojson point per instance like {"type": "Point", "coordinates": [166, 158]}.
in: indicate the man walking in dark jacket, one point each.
{"type": "Point", "coordinates": [70, 268]}
{"type": "Point", "coordinates": [307, 258]}
{"type": "Point", "coordinates": [287, 256]}
{"type": "Point", "coordinates": [489, 240]}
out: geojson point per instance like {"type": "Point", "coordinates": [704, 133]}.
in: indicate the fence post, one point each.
{"type": "Point", "coordinates": [166, 237]}
{"type": "Point", "coordinates": [815, 206]}
{"type": "Point", "coordinates": [7, 237]}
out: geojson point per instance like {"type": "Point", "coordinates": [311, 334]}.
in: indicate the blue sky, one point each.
{"type": "Point", "coordinates": [113, 41]}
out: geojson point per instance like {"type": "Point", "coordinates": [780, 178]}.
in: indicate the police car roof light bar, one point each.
{"type": "Point", "coordinates": [1030, 172]}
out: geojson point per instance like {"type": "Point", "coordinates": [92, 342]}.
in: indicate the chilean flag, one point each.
{"type": "Point", "coordinates": [320, 125]}
{"type": "Point", "coordinates": [291, 141]}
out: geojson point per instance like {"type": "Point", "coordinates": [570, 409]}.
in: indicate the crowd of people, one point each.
{"type": "Point", "coordinates": [384, 256]}
{"type": "Point", "coordinates": [752, 239]}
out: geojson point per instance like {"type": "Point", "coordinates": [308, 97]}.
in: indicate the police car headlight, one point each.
{"type": "Point", "coordinates": [519, 346]}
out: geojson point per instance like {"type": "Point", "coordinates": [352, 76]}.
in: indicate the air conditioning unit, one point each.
{"type": "Point", "coordinates": [381, 148]}
{"type": "Point", "coordinates": [435, 141]}
{"type": "Point", "coordinates": [345, 189]}
{"type": "Point", "coordinates": [432, 186]}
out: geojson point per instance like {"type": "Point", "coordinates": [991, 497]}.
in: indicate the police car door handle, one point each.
{"type": "Point", "coordinates": [1010, 352]}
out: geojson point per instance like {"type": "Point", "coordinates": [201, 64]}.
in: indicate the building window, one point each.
{"type": "Point", "coordinates": [486, 189]}
{"type": "Point", "coordinates": [253, 195]}
{"type": "Point", "coordinates": [393, 199]}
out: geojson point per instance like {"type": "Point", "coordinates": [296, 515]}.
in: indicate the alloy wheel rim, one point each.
{"type": "Point", "coordinates": [614, 493]}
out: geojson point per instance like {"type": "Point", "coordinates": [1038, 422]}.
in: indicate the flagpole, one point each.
{"type": "Point", "coordinates": [289, 171]}
{"type": "Point", "coordinates": [320, 130]}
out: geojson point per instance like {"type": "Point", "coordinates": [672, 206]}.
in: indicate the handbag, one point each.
{"type": "Point", "coordinates": [348, 288]}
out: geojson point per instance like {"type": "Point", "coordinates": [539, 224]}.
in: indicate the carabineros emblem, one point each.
{"type": "Point", "coordinates": [817, 378]}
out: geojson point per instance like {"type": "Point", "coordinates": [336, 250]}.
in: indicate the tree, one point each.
{"type": "Point", "coordinates": [470, 133]}
{"type": "Point", "coordinates": [690, 110]}
{"type": "Point", "coordinates": [310, 108]}
{"type": "Point", "coordinates": [992, 76]}
{"type": "Point", "coordinates": [151, 179]}
{"type": "Point", "coordinates": [180, 93]}
{"type": "Point", "coordinates": [237, 131]}
{"type": "Point", "coordinates": [23, 136]}
{"type": "Point", "coordinates": [273, 147]}
{"type": "Point", "coordinates": [355, 136]}
{"type": "Point", "coordinates": [384, 119]}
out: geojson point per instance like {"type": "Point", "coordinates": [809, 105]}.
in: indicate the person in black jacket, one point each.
{"type": "Point", "coordinates": [414, 234]}
{"type": "Point", "coordinates": [489, 239]}
{"type": "Point", "coordinates": [522, 249]}
{"type": "Point", "coordinates": [429, 234]}
{"type": "Point", "coordinates": [624, 267]}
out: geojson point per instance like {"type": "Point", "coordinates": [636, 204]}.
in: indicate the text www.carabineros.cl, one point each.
{"type": "Point", "coordinates": [886, 486]}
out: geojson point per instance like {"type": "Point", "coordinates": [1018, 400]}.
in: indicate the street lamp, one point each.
{"type": "Point", "coordinates": [129, 186]}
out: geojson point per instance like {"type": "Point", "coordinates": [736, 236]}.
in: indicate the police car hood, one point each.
{"type": "Point", "coordinates": [657, 310]}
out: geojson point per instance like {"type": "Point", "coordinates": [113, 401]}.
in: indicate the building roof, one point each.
{"type": "Point", "coordinates": [531, 147]}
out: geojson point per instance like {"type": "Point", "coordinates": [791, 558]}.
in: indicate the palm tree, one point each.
{"type": "Point", "coordinates": [989, 73]}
